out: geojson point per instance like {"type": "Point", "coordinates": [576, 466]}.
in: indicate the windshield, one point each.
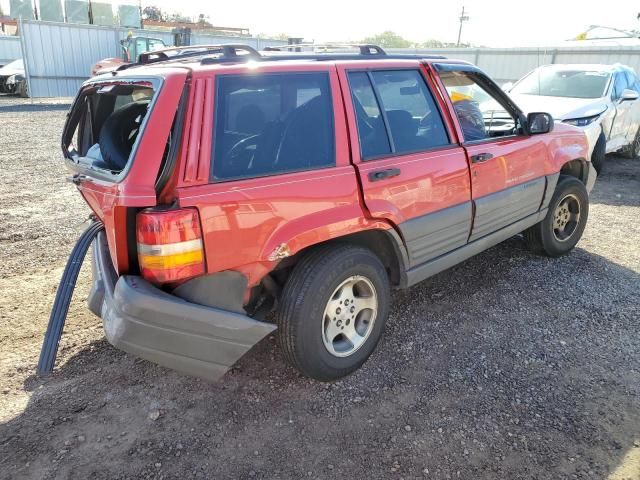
{"type": "Point", "coordinates": [15, 65]}
{"type": "Point", "coordinates": [564, 83]}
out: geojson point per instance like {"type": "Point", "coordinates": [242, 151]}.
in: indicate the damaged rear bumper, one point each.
{"type": "Point", "coordinates": [140, 319]}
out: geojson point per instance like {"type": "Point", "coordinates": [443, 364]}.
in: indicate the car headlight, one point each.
{"type": "Point", "coordinates": [582, 122]}
{"type": "Point", "coordinates": [11, 80]}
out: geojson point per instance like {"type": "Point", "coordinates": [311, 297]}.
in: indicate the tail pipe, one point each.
{"type": "Point", "coordinates": [63, 298]}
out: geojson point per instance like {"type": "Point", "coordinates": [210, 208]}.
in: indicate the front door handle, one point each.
{"type": "Point", "coordinates": [481, 157]}
{"type": "Point", "coordinates": [382, 174]}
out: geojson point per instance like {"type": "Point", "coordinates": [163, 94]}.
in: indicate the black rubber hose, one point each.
{"type": "Point", "coordinates": [63, 298]}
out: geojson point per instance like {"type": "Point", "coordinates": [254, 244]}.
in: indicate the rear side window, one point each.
{"type": "Point", "coordinates": [272, 123]}
{"type": "Point", "coordinates": [371, 130]}
{"type": "Point", "coordinates": [410, 120]}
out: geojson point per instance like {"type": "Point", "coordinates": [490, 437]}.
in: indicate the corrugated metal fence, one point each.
{"type": "Point", "coordinates": [509, 64]}
{"type": "Point", "coordinates": [257, 43]}
{"type": "Point", "coordinates": [9, 49]}
{"type": "Point", "coordinates": [59, 56]}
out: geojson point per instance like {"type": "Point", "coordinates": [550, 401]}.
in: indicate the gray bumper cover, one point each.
{"type": "Point", "coordinates": [145, 321]}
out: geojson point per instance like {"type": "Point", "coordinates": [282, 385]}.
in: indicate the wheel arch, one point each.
{"type": "Point", "coordinates": [386, 244]}
{"type": "Point", "coordinates": [578, 168]}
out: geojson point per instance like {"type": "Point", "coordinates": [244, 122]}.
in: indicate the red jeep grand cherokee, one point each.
{"type": "Point", "coordinates": [233, 183]}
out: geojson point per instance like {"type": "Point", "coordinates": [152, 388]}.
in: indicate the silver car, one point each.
{"type": "Point", "coordinates": [602, 100]}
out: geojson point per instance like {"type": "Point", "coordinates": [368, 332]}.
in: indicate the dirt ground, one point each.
{"type": "Point", "coordinates": [509, 366]}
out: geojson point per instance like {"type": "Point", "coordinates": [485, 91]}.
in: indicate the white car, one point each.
{"type": "Point", "coordinates": [12, 79]}
{"type": "Point", "coordinates": [602, 100]}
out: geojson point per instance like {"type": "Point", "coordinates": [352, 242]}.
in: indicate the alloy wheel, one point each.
{"type": "Point", "coordinates": [349, 316]}
{"type": "Point", "coordinates": [566, 218]}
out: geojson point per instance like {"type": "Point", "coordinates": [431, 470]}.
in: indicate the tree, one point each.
{"type": "Point", "coordinates": [279, 36]}
{"type": "Point", "coordinates": [388, 39]}
{"type": "Point", "coordinates": [203, 20]}
{"type": "Point", "coordinates": [152, 13]}
{"type": "Point", "coordinates": [177, 17]}
{"type": "Point", "coordinates": [432, 43]}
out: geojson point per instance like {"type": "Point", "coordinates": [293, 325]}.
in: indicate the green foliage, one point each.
{"type": "Point", "coordinates": [204, 20]}
{"type": "Point", "coordinates": [152, 13]}
{"type": "Point", "coordinates": [432, 43]}
{"type": "Point", "coordinates": [388, 39]}
{"type": "Point", "coordinates": [177, 17]}
{"type": "Point", "coordinates": [391, 39]}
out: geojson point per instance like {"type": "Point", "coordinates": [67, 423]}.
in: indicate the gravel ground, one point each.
{"type": "Point", "coordinates": [507, 366]}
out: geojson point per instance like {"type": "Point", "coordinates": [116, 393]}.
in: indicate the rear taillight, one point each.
{"type": "Point", "coordinates": [169, 244]}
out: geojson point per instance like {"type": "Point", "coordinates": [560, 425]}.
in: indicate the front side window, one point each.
{"type": "Point", "coordinates": [272, 123]}
{"type": "Point", "coordinates": [619, 85]}
{"type": "Point", "coordinates": [155, 45]}
{"type": "Point", "coordinates": [480, 114]}
{"type": "Point", "coordinates": [395, 113]}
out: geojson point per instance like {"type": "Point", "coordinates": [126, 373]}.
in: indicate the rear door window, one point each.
{"type": "Point", "coordinates": [395, 113]}
{"type": "Point", "coordinates": [272, 123]}
{"type": "Point", "coordinates": [414, 120]}
{"type": "Point", "coordinates": [374, 141]}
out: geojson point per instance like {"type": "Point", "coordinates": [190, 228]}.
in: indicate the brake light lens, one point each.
{"type": "Point", "coordinates": [169, 244]}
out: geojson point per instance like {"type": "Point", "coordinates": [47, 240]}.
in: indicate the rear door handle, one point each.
{"type": "Point", "coordinates": [382, 174]}
{"type": "Point", "coordinates": [481, 157]}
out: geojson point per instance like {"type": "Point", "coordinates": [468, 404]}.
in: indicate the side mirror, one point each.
{"type": "Point", "coordinates": [629, 95]}
{"type": "Point", "coordinates": [507, 86]}
{"type": "Point", "coordinates": [539, 122]}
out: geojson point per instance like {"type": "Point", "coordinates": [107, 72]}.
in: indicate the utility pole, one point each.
{"type": "Point", "coordinates": [463, 18]}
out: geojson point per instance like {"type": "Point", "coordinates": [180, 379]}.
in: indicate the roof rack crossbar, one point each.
{"type": "Point", "coordinates": [231, 50]}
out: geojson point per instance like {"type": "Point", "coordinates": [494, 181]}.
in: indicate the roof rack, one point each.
{"type": "Point", "coordinates": [365, 48]}
{"type": "Point", "coordinates": [227, 52]}
{"type": "Point", "coordinates": [238, 52]}
{"type": "Point", "coordinates": [231, 50]}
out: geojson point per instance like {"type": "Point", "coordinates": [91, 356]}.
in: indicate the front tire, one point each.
{"type": "Point", "coordinates": [599, 153]}
{"type": "Point", "coordinates": [21, 89]}
{"type": "Point", "coordinates": [633, 150]}
{"type": "Point", "coordinates": [561, 229]}
{"type": "Point", "coordinates": [333, 310]}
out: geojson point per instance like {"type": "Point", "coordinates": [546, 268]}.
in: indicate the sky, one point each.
{"type": "Point", "coordinates": [492, 23]}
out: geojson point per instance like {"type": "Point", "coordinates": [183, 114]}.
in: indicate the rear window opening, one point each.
{"type": "Point", "coordinates": [105, 123]}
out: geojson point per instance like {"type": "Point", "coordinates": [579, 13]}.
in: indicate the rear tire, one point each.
{"type": "Point", "coordinates": [561, 229]}
{"type": "Point", "coordinates": [333, 310]}
{"type": "Point", "coordinates": [599, 153]}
